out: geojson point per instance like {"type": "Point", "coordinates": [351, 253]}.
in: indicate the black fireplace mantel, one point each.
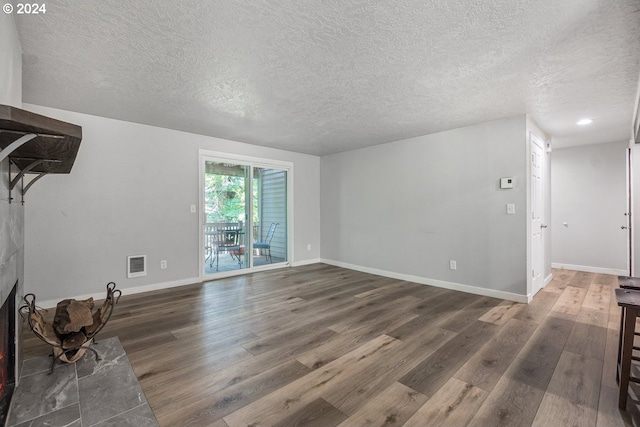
{"type": "Point", "coordinates": [36, 144]}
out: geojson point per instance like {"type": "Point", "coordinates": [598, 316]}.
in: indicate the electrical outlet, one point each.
{"type": "Point", "coordinates": [452, 264]}
{"type": "Point", "coordinates": [309, 247]}
{"type": "Point", "coordinates": [163, 264]}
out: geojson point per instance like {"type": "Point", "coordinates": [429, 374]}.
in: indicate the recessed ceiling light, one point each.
{"type": "Point", "coordinates": [584, 122]}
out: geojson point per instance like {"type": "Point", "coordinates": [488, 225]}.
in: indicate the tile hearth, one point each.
{"type": "Point", "coordinates": [86, 393]}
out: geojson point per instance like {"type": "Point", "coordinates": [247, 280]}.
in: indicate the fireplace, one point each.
{"type": "Point", "coordinates": [7, 353]}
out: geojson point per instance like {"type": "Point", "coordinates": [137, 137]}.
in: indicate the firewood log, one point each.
{"type": "Point", "coordinates": [72, 315]}
{"type": "Point", "coordinates": [74, 339]}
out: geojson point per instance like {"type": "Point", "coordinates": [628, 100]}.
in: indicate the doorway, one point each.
{"type": "Point", "coordinates": [245, 210]}
{"type": "Point", "coordinates": [590, 216]}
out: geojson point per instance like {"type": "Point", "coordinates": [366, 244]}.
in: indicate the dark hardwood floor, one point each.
{"type": "Point", "coordinates": [322, 346]}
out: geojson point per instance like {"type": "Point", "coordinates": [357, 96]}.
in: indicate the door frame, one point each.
{"type": "Point", "coordinates": [629, 213]}
{"type": "Point", "coordinates": [240, 159]}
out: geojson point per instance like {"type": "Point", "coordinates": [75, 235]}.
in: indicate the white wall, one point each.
{"type": "Point", "coordinates": [130, 193]}
{"type": "Point", "coordinates": [406, 208]}
{"type": "Point", "coordinates": [589, 196]}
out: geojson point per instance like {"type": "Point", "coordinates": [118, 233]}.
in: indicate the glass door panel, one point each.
{"type": "Point", "coordinates": [269, 216]}
{"type": "Point", "coordinates": [226, 212]}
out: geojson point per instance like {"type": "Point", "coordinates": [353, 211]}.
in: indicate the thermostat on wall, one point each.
{"type": "Point", "coordinates": [506, 182]}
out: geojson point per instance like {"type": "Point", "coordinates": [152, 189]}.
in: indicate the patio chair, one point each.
{"type": "Point", "coordinates": [266, 244]}
{"type": "Point", "coordinates": [227, 240]}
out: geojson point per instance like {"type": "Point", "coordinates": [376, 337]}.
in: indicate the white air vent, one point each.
{"type": "Point", "coordinates": [136, 266]}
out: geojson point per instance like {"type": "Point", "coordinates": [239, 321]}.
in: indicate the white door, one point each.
{"type": "Point", "coordinates": [537, 213]}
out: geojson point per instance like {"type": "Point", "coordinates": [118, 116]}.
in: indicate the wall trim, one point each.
{"type": "Point", "coordinates": [393, 275]}
{"type": "Point", "coordinates": [589, 269]}
{"type": "Point", "coordinates": [126, 291]}
{"type": "Point", "coordinates": [175, 283]}
{"type": "Point", "coordinates": [433, 282]}
{"type": "Point", "coordinates": [306, 262]}
{"type": "Point", "coordinates": [547, 280]}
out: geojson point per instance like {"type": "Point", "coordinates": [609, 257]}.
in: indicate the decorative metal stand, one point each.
{"type": "Point", "coordinates": [46, 332]}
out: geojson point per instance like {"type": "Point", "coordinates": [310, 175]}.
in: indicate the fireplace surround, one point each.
{"type": "Point", "coordinates": [31, 147]}
{"type": "Point", "coordinates": [7, 353]}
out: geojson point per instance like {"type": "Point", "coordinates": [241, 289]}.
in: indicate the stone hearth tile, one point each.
{"type": "Point", "coordinates": [111, 354]}
{"type": "Point", "coordinates": [109, 391]}
{"type": "Point", "coordinates": [137, 417]}
{"type": "Point", "coordinates": [66, 417]}
{"type": "Point", "coordinates": [40, 394]}
{"type": "Point", "coordinates": [110, 351]}
{"type": "Point", "coordinates": [36, 365]}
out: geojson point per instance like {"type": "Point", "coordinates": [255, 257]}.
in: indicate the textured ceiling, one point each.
{"type": "Point", "coordinates": [326, 76]}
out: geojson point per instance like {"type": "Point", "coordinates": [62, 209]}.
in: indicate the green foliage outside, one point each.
{"type": "Point", "coordinates": [225, 198]}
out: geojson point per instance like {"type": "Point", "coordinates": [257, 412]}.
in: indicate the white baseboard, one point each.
{"type": "Point", "coordinates": [125, 291]}
{"type": "Point", "coordinates": [589, 269]}
{"type": "Point", "coordinates": [166, 285]}
{"type": "Point", "coordinates": [306, 262]}
{"type": "Point", "coordinates": [547, 280]}
{"type": "Point", "coordinates": [433, 282]}
{"type": "Point", "coordinates": [393, 275]}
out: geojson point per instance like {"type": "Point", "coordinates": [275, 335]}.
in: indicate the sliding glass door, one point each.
{"type": "Point", "coordinates": [245, 211]}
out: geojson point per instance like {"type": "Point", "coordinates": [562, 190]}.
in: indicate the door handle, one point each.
{"type": "Point", "coordinates": [624, 227]}
{"type": "Point", "coordinates": [543, 226]}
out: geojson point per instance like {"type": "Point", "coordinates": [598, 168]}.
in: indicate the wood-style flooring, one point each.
{"type": "Point", "coordinates": [324, 346]}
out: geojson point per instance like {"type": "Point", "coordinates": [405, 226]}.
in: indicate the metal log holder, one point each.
{"type": "Point", "coordinates": [46, 332]}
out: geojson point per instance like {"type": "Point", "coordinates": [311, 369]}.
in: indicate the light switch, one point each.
{"type": "Point", "coordinates": [193, 208]}
{"type": "Point", "coordinates": [511, 209]}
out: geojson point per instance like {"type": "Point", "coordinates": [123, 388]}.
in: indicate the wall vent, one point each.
{"type": "Point", "coordinates": [136, 266]}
